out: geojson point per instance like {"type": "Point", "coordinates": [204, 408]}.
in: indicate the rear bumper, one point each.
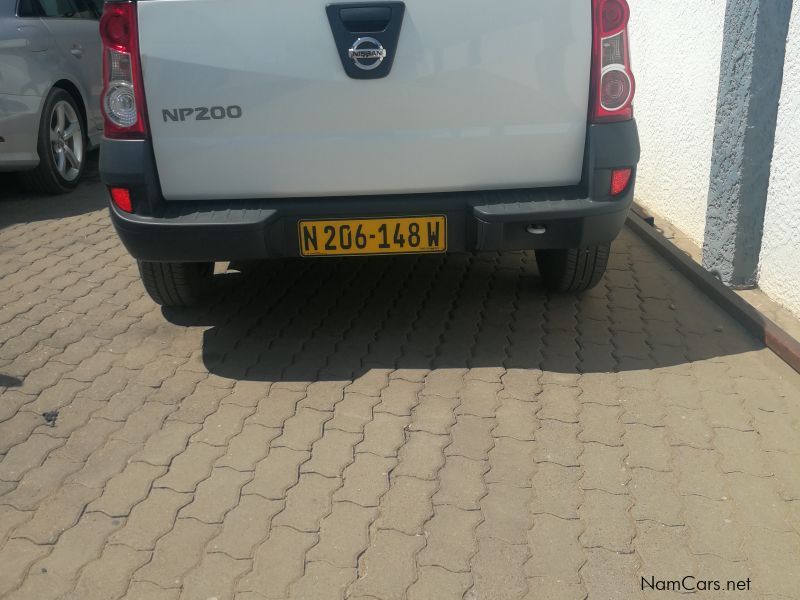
{"type": "Point", "coordinates": [188, 231]}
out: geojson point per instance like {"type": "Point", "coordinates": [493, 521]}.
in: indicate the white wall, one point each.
{"type": "Point", "coordinates": [676, 49]}
{"type": "Point", "coordinates": [779, 274]}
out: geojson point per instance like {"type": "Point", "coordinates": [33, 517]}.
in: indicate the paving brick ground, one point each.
{"type": "Point", "coordinates": [421, 428]}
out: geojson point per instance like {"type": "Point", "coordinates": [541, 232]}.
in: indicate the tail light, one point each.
{"type": "Point", "coordinates": [123, 104]}
{"type": "Point", "coordinates": [613, 84]}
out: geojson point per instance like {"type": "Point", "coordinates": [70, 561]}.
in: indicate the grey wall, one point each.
{"type": "Point", "coordinates": [751, 72]}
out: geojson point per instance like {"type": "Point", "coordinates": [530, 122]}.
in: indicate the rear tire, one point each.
{"type": "Point", "coordinates": [61, 146]}
{"type": "Point", "coordinates": [176, 284]}
{"type": "Point", "coordinates": [574, 269]}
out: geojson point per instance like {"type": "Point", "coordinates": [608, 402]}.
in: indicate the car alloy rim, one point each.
{"type": "Point", "coordinates": [66, 140]}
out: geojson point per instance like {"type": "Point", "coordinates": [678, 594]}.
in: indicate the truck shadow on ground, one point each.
{"type": "Point", "coordinates": [336, 319]}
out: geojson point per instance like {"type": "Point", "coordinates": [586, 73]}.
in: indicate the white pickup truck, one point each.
{"type": "Point", "coordinates": [239, 130]}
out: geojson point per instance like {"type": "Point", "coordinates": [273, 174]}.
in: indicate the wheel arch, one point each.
{"type": "Point", "coordinates": [73, 90]}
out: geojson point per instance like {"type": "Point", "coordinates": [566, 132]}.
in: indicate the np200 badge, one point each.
{"type": "Point", "coordinates": [202, 113]}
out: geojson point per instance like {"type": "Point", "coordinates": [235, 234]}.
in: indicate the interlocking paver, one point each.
{"type": "Point", "coordinates": [655, 497]}
{"type": "Point", "coordinates": [444, 382]}
{"type": "Point", "coordinates": [17, 425]}
{"type": "Point", "coordinates": [166, 443]}
{"type": "Point", "coordinates": [17, 555]}
{"type": "Point", "coordinates": [143, 423]}
{"type": "Point", "coordinates": [471, 437]}
{"type": "Point", "coordinates": [109, 576]}
{"type": "Point", "coordinates": [436, 583]}
{"type": "Point", "coordinates": [322, 581]}
{"type": "Point", "coordinates": [275, 474]}
{"type": "Point", "coordinates": [385, 434]}
{"type": "Point", "coordinates": [608, 521]}
{"type": "Point", "coordinates": [699, 473]}
{"type": "Point", "coordinates": [10, 520]}
{"type": "Point", "coordinates": [555, 491]}
{"type": "Point", "coordinates": [303, 429]}
{"type": "Point", "coordinates": [214, 577]}
{"type": "Point", "coordinates": [40, 483]}
{"type": "Point", "coordinates": [505, 512]}
{"type": "Point", "coordinates": [278, 562]}
{"type": "Point", "coordinates": [557, 442]}
{"type": "Point", "coordinates": [200, 404]}
{"type": "Point", "coordinates": [76, 547]}
{"type": "Point", "coordinates": [407, 505]}
{"type": "Point", "coordinates": [556, 551]}
{"type": "Point", "coordinates": [544, 588]}
{"type": "Point", "coordinates": [647, 447]}
{"type": "Point", "coordinates": [386, 570]}
{"type": "Point", "coordinates": [462, 483]}
{"type": "Point", "coordinates": [332, 453]}
{"type": "Point", "coordinates": [601, 424]}
{"type": "Point", "coordinates": [560, 403]}
{"type": "Point", "coordinates": [450, 539]}
{"type": "Point", "coordinates": [344, 535]}
{"type": "Point", "coordinates": [497, 568]}
{"type": "Point", "coordinates": [245, 526]}
{"type": "Point", "coordinates": [178, 551]}
{"type": "Point", "coordinates": [603, 469]}
{"type": "Point", "coordinates": [399, 398]}
{"type": "Point", "coordinates": [422, 455]}
{"type": "Point", "coordinates": [608, 574]}
{"type": "Point", "coordinates": [414, 427]}
{"type": "Point", "coordinates": [741, 452]}
{"type": "Point", "coordinates": [478, 398]}
{"type": "Point", "coordinates": [104, 463]}
{"type": "Point", "coordinates": [511, 461]}
{"type": "Point", "coordinates": [434, 414]}
{"type": "Point", "coordinates": [350, 414]}
{"type": "Point", "coordinates": [151, 519]}
{"type": "Point", "coordinates": [308, 502]}
{"type": "Point", "coordinates": [216, 495]}
{"type": "Point", "coordinates": [190, 467]}
{"type": "Point", "coordinates": [772, 558]}
{"type": "Point", "coordinates": [663, 549]}
{"type": "Point", "coordinates": [245, 450]}
{"type": "Point", "coordinates": [26, 455]}
{"type": "Point", "coordinates": [747, 492]}
{"type": "Point", "coordinates": [784, 466]}
{"type": "Point", "coordinates": [57, 514]}
{"type": "Point", "coordinates": [642, 407]}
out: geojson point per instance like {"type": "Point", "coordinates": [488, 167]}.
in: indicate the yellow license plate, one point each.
{"type": "Point", "coordinates": [406, 235]}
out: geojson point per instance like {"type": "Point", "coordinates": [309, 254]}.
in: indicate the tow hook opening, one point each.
{"type": "Point", "coordinates": [537, 229]}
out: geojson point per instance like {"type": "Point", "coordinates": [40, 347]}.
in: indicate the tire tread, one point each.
{"type": "Point", "coordinates": [575, 269]}
{"type": "Point", "coordinates": [176, 284]}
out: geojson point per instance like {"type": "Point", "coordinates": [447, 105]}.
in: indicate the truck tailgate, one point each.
{"type": "Point", "coordinates": [250, 99]}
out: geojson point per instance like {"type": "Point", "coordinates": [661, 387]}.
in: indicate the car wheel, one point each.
{"type": "Point", "coordinates": [176, 284]}
{"type": "Point", "coordinates": [61, 146]}
{"type": "Point", "coordinates": [573, 270]}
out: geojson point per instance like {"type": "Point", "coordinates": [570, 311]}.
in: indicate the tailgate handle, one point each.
{"type": "Point", "coordinates": [366, 19]}
{"type": "Point", "coordinates": [366, 35]}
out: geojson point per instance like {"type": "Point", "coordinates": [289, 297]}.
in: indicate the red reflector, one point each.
{"type": "Point", "coordinates": [122, 198]}
{"type": "Point", "coordinates": [620, 178]}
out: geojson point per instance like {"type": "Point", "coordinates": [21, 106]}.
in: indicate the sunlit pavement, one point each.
{"type": "Point", "coordinates": [433, 427]}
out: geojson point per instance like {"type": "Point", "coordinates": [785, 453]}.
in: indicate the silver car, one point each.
{"type": "Point", "coordinates": [50, 85]}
